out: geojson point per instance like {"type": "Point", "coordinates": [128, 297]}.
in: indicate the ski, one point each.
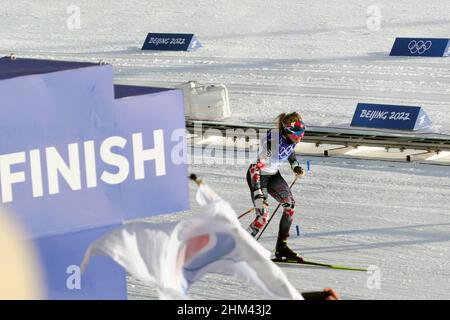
{"type": "Point", "coordinates": [313, 263]}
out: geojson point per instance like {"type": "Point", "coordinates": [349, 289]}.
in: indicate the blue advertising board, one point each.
{"type": "Point", "coordinates": [75, 163]}
{"type": "Point", "coordinates": [60, 258]}
{"type": "Point", "coordinates": [171, 42]}
{"type": "Point", "coordinates": [424, 47]}
{"type": "Point", "coordinates": [371, 115]}
{"type": "Point", "coordinates": [152, 187]}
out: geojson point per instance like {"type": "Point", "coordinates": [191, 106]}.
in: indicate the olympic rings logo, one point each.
{"type": "Point", "coordinates": [419, 46]}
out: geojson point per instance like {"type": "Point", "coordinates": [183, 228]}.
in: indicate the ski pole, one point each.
{"type": "Point", "coordinates": [251, 209]}
{"type": "Point", "coordinates": [246, 212]}
{"type": "Point", "coordinates": [276, 209]}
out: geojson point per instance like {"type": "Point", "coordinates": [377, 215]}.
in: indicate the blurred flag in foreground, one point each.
{"type": "Point", "coordinates": [20, 270]}
{"type": "Point", "coordinates": [172, 256]}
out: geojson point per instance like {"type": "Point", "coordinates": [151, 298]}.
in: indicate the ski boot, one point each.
{"type": "Point", "coordinates": [284, 253]}
{"type": "Point", "coordinates": [257, 224]}
{"type": "Point", "coordinates": [253, 230]}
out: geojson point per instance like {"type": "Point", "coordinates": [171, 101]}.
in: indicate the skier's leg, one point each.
{"type": "Point", "coordinates": [260, 208]}
{"type": "Point", "coordinates": [279, 189]}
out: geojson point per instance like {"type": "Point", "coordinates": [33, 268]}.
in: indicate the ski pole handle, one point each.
{"type": "Point", "coordinates": [316, 295]}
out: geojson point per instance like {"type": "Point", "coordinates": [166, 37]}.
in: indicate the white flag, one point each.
{"type": "Point", "coordinates": [172, 256]}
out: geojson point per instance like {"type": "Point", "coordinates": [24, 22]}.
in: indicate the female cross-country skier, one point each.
{"type": "Point", "coordinates": [263, 176]}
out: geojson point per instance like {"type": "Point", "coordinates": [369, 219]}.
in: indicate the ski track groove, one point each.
{"type": "Point", "coordinates": [335, 82]}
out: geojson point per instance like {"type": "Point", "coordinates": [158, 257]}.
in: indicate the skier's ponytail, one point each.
{"type": "Point", "coordinates": [284, 118]}
{"type": "Point", "coordinates": [280, 120]}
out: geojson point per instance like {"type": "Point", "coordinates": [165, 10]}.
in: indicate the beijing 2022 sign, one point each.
{"type": "Point", "coordinates": [421, 47]}
{"type": "Point", "coordinates": [383, 116]}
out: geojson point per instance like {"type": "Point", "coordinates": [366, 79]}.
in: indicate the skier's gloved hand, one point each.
{"type": "Point", "coordinates": [260, 199]}
{"type": "Point", "coordinates": [299, 171]}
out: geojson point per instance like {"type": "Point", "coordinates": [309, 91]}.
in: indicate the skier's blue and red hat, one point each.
{"type": "Point", "coordinates": [296, 127]}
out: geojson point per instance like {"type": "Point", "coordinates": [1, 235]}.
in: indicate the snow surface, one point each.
{"type": "Point", "coordinates": [317, 57]}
